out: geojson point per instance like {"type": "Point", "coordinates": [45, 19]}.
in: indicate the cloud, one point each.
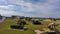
{"type": "Point", "coordinates": [8, 10]}
{"type": "Point", "coordinates": [38, 7]}
{"type": "Point", "coordinates": [23, 5]}
{"type": "Point", "coordinates": [3, 12]}
{"type": "Point", "coordinates": [6, 6]}
{"type": "Point", "coordinates": [28, 6]}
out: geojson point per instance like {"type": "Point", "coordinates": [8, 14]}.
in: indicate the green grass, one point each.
{"type": "Point", "coordinates": [4, 28]}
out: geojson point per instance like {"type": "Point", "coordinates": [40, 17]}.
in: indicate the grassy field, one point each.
{"type": "Point", "coordinates": [5, 27]}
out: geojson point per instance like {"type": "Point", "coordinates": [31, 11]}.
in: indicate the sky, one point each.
{"type": "Point", "coordinates": [30, 8]}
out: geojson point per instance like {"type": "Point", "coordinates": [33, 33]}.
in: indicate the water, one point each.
{"type": "Point", "coordinates": [2, 19]}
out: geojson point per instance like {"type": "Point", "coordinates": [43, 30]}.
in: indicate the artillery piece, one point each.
{"type": "Point", "coordinates": [52, 26]}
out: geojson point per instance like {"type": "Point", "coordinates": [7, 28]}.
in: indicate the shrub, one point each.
{"type": "Point", "coordinates": [36, 22]}
{"type": "Point", "coordinates": [16, 27]}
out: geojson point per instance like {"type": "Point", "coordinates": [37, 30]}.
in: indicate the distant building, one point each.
{"type": "Point", "coordinates": [15, 17]}
{"type": "Point", "coordinates": [47, 20]}
{"type": "Point", "coordinates": [35, 19]}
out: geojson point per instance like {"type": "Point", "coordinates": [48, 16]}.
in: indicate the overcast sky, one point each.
{"type": "Point", "coordinates": [33, 8]}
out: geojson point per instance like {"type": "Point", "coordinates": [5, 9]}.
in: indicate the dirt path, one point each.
{"type": "Point", "coordinates": [39, 32]}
